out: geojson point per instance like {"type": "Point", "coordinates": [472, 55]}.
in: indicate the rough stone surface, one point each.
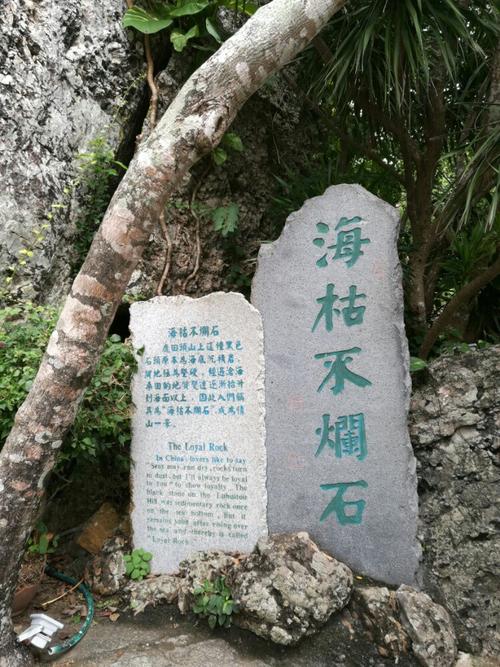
{"type": "Point", "coordinates": [455, 427]}
{"type": "Point", "coordinates": [161, 636]}
{"type": "Point", "coordinates": [315, 426]}
{"type": "Point", "coordinates": [287, 588]}
{"type": "Point", "coordinates": [429, 627]}
{"type": "Point", "coordinates": [468, 660]}
{"type": "Point", "coordinates": [200, 567]}
{"type": "Point", "coordinates": [106, 572]}
{"type": "Point", "coordinates": [199, 468]}
{"type": "Point", "coordinates": [378, 609]}
{"type": "Point", "coordinates": [68, 74]}
{"type": "Point", "coordinates": [163, 588]}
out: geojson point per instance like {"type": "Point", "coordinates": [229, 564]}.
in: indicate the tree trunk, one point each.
{"type": "Point", "coordinates": [192, 126]}
{"type": "Point", "coordinates": [461, 299]}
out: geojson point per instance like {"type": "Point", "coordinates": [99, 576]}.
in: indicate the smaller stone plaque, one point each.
{"type": "Point", "coordinates": [198, 452]}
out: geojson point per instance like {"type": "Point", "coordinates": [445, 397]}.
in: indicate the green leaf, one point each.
{"type": "Point", "coordinates": [227, 607]}
{"type": "Point", "coordinates": [188, 9]}
{"type": "Point", "coordinates": [43, 544]}
{"type": "Point", "coordinates": [136, 574]}
{"type": "Point", "coordinates": [115, 338]}
{"type": "Point", "coordinates": [417, 364]}
{"type": "Point", "coordinates": [219, 156]}
{"type": "Point", "coordinates": [147, 556]}
{"type": "Point", "coordinates": [248, 8]}
{"type": "Point", "coordinates": [148, 22]}
{"type": "Point", "coordinates": [212, 621]}
{"type": "Point", "coordinates": [233, 140]}
{"type": "Point", "coordinates": [212, 30]}
{"type": "Point", "coordinates": [180, 40]}
{"type": "Point", "coordinates": [225, 218]}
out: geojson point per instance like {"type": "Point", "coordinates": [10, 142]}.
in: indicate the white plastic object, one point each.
{"type": "Point", "coordinates": [40, 631]}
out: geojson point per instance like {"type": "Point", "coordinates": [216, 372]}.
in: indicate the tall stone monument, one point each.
{"type": "Point", "coordinates": [198, 452]}
{"type": "Point", "coordinates": [340, 463]}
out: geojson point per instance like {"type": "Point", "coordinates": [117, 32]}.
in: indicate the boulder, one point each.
{"type": "Point", "coordinates": [163, 588]}
{"type": "Point", "coordinates": [287, 588]}
{"type": "Point", "coordinates": [106, 572]}
{"type": "Point", "coordinates": [429, 627]}
{"type": "Point", "coordinates": [377, 608]}
{"type": "Point", "coordinates": [70, 74]}
{"type": "Point", "coordinates": [200, 567]}
{"type": "Point", "coordinates": [454, 428]}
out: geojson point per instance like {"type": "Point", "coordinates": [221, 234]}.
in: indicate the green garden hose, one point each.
{"type": "Point", "coordinates": [67, 644]}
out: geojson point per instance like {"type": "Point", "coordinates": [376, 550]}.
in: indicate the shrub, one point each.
{"type": "Point", "coordinates": [213, 601]}
{"type": "Point", "coordinates": [101, 428]}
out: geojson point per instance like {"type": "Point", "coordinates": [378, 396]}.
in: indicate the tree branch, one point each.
{"type": "Point", "coordinates": [461, 298]}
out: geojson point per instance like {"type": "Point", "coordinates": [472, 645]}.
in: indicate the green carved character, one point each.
{"type": "Point", "coordinates": [336, 363]}
{"type": "Point", "coordinates": [346, 437]}
{"type": "Point", "coordinates": [339, 506]}
{"type": "Point", "coordinates": [351, 313]}
{"type": "Point", "coordinates": [349, 242]}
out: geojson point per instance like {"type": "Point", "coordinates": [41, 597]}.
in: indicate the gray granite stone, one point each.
{"type": "Point", "coordinates": [198, 452]}
{"type": "Point", "coordinates": [340, 463]}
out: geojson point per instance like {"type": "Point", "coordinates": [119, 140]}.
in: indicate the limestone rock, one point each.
{"type": "Point", "coordinates": [455, 427]}
{"type": "Point", "coordinates": [378, 609]}
{"type": "Point", "coordinates": [287, 588]}
{"type": "Point", "coordinates": [69, 73]}
{"type": "Point", "coordinates": [163, 588]}
{"type": "Point", "coordinates": [429, 627]}
{"type": "Point", "coordinates": [106, 572]}
{"type": "Point", "coordinates": [467, 660]}
{"type": "Point", "coordinates": [200, 567]}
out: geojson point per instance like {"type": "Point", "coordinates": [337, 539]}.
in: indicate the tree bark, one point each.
{"type": "Point", "coordinates": [192, 126]}
{"type": "Point", "coordinates": [461, 298]}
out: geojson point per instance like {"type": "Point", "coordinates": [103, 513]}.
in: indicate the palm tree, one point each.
{"type": "Point", "coordinates": [410, 90]}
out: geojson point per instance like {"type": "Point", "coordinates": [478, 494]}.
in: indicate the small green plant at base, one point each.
{"type": "Point", "coordinates": [225, 218]}
{"type": "Point", "coordinates": [41, 541]}
{"type": "Point", "coordinates": [138, 564]}
{"type": "Point", "coordinates": [213, 601]}
{"type": "Point", "coordinates": [417, 364]}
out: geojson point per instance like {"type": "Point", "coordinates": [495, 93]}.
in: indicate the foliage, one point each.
{"type": "Point", "coordinates": [101, 429]}
{"type": "Point", "coordinates": [41, 541]}
{"type": "Point", "coordinates": [138, 564]}
{"type": "Point", "coordinates": [97, 169]}
{"type": "Point", "coordinates": [213, 601]}
{"type": "Point", "coordinates": [402, 92]}
{"type": "Point", "coordinates": [185, 19]}
{"type": "Point", "coordinates": [225, 218]}
{"type": "Point", "coordinates": [417, 364]}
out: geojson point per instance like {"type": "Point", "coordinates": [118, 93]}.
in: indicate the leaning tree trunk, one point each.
{"type": "Point", "coordinates": [191, 127]}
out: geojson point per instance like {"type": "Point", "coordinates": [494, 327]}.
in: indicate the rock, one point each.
{"type": "Point", "coordinates": [338, 383]}
{"type": "Point", "coordinates": [99, 528]}
{"type": "Point", "coordinates": [200, 567]}
{"type": "Point", "coordinates": [455, 427]}
{"type": "Point", "coordinates": [287, 588]}
{"type": "Point", "coordinates": [378, 609]}
{"type": "Point", "coordinates": [106, 572]}
{"type": "Point", "coordinates": [72, 74]}
{"type": "Point", "coordinates": [163, 588]}
{"type": "Point", "coordinates": [467, 660]}
{"type": "Point", "coordinates": [429, 627]}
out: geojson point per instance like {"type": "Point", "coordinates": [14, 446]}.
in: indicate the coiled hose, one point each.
{"type": "Point", "coordinates": [68, 644]}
